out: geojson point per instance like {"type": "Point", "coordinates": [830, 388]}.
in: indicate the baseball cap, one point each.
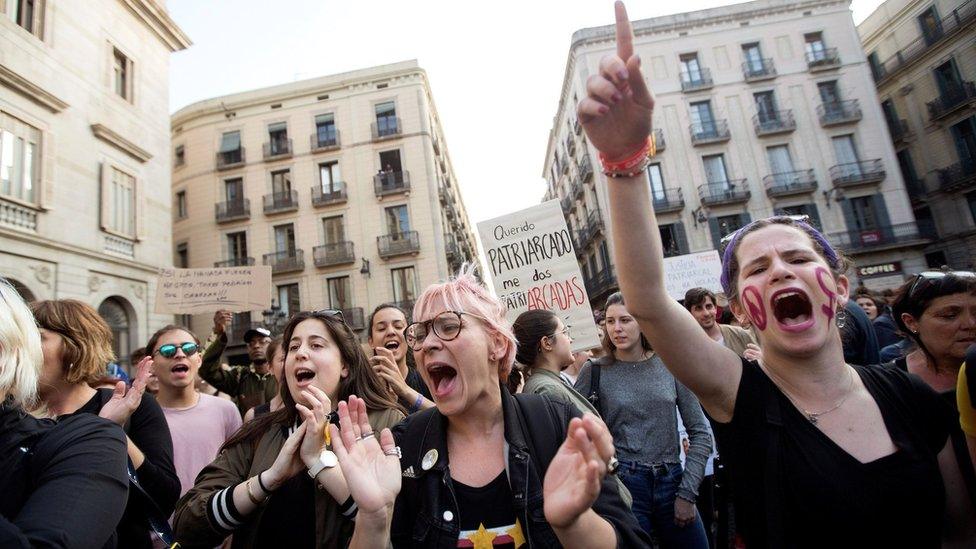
{"type": "Point", "coordinates": [256, 332]}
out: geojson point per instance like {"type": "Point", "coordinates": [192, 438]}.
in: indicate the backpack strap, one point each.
{"type": "Point", "coordinates": [594, 396]}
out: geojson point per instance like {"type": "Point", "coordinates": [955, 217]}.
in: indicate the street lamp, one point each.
{"type": "Point", "coordinates": [274, 318]}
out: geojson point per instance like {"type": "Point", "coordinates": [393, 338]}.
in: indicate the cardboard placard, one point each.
{"type": "Point", "coordinates": [193, 291]}
{"type": "Point", "coordinates": [533, 266]}
{"type": "Point", "coordinates": [697, 270]}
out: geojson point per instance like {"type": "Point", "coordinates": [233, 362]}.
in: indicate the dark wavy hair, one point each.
{"type": "Point", "coordinates": [918, 301]}
{"type": "Point", "coordinates": [530, 328]}
{"type": "Point", "coordinates": [609, 349]}
{"type": "Point", "coordinates": [362, 381]}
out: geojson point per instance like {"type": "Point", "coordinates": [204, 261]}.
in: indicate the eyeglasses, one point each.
{"type": "Point", "coordinates": [803, 218]}
{"type": "Point", "coordinates": [446, 326]}
{"type": "Point", "coordinates": [169, 350]}
{"type": "Point", "coordinates": [936, 275]}
{"type": "Point", "coordinates": [563, 331]}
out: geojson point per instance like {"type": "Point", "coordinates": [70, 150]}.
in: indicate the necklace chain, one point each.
{"type": "Point", "coordinates": [814, 417]}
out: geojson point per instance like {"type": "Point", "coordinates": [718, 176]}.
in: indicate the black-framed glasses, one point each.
{"type": "Point", "coordinates": [446, 326]}
{"type": "Point", "coordinates": [936, 275]}
{"type": "Point", "coordinates": [169, 350]}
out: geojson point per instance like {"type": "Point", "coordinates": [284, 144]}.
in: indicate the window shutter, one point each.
{"type": "Point", "coordinates": [744, 219]}
{"type": "Point", "coordinates": [716, 233]}
{"type": "Point", "coordinates": [681, 236]}
{"type": "Point", "coordinates": [230, 141]}
{"type": "Point", "coordinates": [852, 233]}
{"type": "Point", "coordinates": [814, 215]}
{"type": "Point", "coordinates": [105, 198]}
{"type": "Point", "coordinates": [881, 214]}
{"type": "Point", "coordinates": [138, 189]}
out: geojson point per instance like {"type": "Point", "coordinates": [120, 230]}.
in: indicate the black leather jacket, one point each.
{"type": "Point", "coordinates": [427, 497]}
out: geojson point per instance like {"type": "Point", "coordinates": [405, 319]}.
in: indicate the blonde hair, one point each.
{"type": "Point", "coordinates": [87, 338]}
{"type": "Point", "coordinates": [464, 293]}
{"type": "Point", "coordinates": [20, 348]}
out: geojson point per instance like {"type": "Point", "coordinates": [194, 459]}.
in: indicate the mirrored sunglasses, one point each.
{"type": "Point", "coordinates": [169, 350]}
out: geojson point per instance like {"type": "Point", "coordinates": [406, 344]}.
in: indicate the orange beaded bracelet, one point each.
{"type": "Point", "coordinates": [634, 164]}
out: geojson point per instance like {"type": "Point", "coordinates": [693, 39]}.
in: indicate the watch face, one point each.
{"type": "Point", "coordinates": [328, 458]}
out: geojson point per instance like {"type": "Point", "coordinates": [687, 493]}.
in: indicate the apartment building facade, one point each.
{"type": "Point", "coordinates": [763, 108]}
{"type": "Point", "coordinates": [84, 155]}
{"type": "Point", "coordinates": [923, 59]}
{"type": "Point", "coordinates": [342, 184]}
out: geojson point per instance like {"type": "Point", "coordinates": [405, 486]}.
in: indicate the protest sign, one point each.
{"type": "Point", "coordinates": [698, 270]}
{"type": "Point", "coordinates": [533, 266]}
{"type": "Point", "coordinates": [192, 291]}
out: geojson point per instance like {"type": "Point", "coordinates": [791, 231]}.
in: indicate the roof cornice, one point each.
{"type": "Point", "coordinates": [159, 22]}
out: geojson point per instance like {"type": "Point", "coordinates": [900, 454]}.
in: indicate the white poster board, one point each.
{"type": "Point", "coordinates": [697, 270]}
{"type": "Point", "coordinates": [193, 291]}
{"type": "Point", "coordinates": [533, 266]}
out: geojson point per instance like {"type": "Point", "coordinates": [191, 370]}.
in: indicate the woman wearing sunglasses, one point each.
{"type": "Point", "coordinates": [820, 453]}
{"type": "Point", "coordinates": [198, 423]}
{"type": "Point", "coordinates": [275, 483]}
{"type": "Point", "coordinates": [483, 467]}
{"type": "Point", "coordinates": [77, 345]}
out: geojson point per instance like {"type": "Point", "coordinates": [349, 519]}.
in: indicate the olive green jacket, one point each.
{"type": "Point", "coordinates": [246, 386]}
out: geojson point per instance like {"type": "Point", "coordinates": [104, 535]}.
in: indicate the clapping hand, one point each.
{"type": "Point", "coordinates": [123, 403]}
{"type": "Point", "coordinates": [616, 112]}
{"type": "Point", "coordinates": [316, 418]}
{"type": "Point", "coordinates": [573, 479]}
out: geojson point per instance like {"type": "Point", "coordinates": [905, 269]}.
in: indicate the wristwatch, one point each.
{"type": "Point", "coordinates": [327, 460]}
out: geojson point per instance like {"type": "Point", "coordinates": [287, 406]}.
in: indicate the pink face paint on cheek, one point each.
{"type": "Point", "coordinates": [755, 306]}
{"type": "Point", "coordinates": [828, 310]}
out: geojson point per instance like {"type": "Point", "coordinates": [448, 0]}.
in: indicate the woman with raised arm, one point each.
{"type": "Point", "coordinates": [822, 454]}
{"type": "Point", "coordinates": [483, 467]}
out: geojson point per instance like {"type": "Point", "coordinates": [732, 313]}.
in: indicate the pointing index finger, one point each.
{"type": "Point", "coordinates": [625, 34]}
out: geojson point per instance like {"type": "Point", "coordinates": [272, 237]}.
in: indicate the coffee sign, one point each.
{"type": "Point", "coordinates": [880, 269]}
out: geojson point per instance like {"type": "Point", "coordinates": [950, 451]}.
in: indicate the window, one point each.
{"type": "Point", "coordinates": [936, 260]}
{"type": "Point", "coordinates": [29, 14]}
{"type": "Point", "coordinates": [182, 256]}
{"type": "Point", "coordinates": [289, 300]}
{"type": "Point", "coordinates": [964, 136]}
{"type": "Point", "coordinates": [397, 221]}
{"type": "Point", "coordinates": [877, 71]}
{"type": "Point", "coordinates": [658, 192]}
{"type": "Point", "coordinates": [333, 230]}
{"type": "Point", "coordinates": [390, 161]}
{"type": "Point", "coordinates": [113, 311]}
{"type": "Point", "coordinates": [766, 107]}
{"type": "Point", "coordinates": [237, 247]}
{"type": "Point", "coordinates": [929, 24]}
{"type": "Point", "coordinates": [234, 190]}
{"type": "Point", "coordinates": [754, 60]}
{"type": "Point", "coordinates": [846, 153]}
{"type": "Point", "coordinates": [809, 210]}
{"type": "Point", "coordinates": [391, 171]}
{"type": "Point", "coordinates": [404, 284]}
{"type": "Point", "coordinates": [691, 71]}
{"type": "Point", "coordinates": [285, 238]}
{"type": "Point", "coordinates": [702, 119]}
{"type": "Point", "coordinates": [325, 130]}
{"type": "Point", "coordinates": [865, 217]}
{"type": "Point", "coordinates": [780, 160]}
{"type": "Point", "coordinates": [179, 156]}
{"type": "Point", "coordinates": [829, 94]}
{"type": "Point", "coordinates": [330, 177]}
{"type": "Point", "coordinates": [278, 138]}
{"type": "Point", "coordinates": [672, 239]}
{"type": "Point", "coordinates": [122, 75]}
{"type": "Point", "coordinates": [604, 254]}
{"type": "Point", "coordinates": [120, 203]}
{"type": "Point", "coordinates": [340, 292]}
{"type": "Point", "coordinates": [947, 79]}
{"type": "Point", "coordinates": [386, 119]}
{"type": "Point", "coordinates": [230, 150]}
{"type": "Point", "coordinates": [908, 173]}
{"type": "Point", "coordinates": [715, 172]}
{"type": "Point", "coordinates": [890, 114]}
{"type": "Point", "coordinates": [281, 184]}
{"type": "Point", "coordinates": [19, 159]}
{"type": "Point", "coordinates": [815, 48]}
{"type": "Point", "coordinates": [181, 205]}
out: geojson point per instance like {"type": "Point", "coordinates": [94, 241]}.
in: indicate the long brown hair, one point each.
{"type": "Point", "coordinates": [362, 381]}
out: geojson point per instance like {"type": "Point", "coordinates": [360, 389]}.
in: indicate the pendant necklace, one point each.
{"type": "Point", "coordinates": [814, 417]}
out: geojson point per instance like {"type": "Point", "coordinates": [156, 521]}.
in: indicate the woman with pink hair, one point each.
{"type": "Point", "coordinates": [483, 464]}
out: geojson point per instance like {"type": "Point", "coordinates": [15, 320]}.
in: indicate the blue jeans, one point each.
{"type": "Point", "coordinates": [654, 488]}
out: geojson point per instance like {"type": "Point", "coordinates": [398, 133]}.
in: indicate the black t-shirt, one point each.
{"type": "Point", "coordinates": [289, 518]}
{"type": "Point", "coordinates": [488, 516]}
{"type": "Point", "coordinates": [826, 498]}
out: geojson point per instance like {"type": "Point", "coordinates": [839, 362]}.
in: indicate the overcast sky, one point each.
{"type": "Point", "coordinates": [495, 68]}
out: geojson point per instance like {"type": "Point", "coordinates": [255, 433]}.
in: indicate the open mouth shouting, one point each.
{"type": "Point", "coordinates": [442, 377]}
{"type": "Point", "coordinates": [393, 345]}
{"type": "Point", "coordinates": [180, 371]}
{"type": "Point", "coordinates": [304, 377]}
{"type": "Point", "coordinates": [792, 309]}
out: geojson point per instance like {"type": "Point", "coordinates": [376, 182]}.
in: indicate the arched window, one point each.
{"type": "Point", "coordinates": [113, 311]}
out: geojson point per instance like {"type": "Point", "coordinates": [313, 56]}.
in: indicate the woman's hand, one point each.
{"type": "Point", "coordinates": [316, 418]}
{"type": "Point", "coordinates": [684, 512]}
{"type": "Point", "coordinates": [573, 479]}
{"type": "Point", "coordinates": [386, 367]}
{"type": "Point", "coordinates": [616, 112]}
{"type": "Point", "coordinates": [288, 463]}
{"type": "Point", "coordinates": [370, 464]}
{"type": "Point", "coordinates": [123, 403]}
{"type": "Point", "coordinates": [752, 352]}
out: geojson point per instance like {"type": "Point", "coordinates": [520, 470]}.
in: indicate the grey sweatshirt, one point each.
{"type": "Point", "coordinates": [637, 400]}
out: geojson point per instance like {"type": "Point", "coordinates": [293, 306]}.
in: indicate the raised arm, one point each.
{"type": "Point", "coordinates": [225, 381]}
{"type": "Point", "coordinates": [616, 114]}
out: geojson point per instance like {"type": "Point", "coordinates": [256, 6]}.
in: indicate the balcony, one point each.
{"type": "Point", "coordinates": [733, 191]}
{"type": "Point", "coordinates": [594, 225]}
{"type": "Point", "coordinates": [696, 81]}
{"type": "Point", "coordinates": [276, 203]}
{"type": "Point", "coordinates": [886, 236]}
{"type": "Point", "coordinates": [578, 237]}
{"type": "Point", "coordinates": [822, 60]}
{"type": "Point", "coordinates": [321, 197]}
{"type": "Point", "coordinates": [386, 128]}
{"type": "Point", "coordinates": [327, 141]}
{"type": "Point", "coordinates": [601, 285]}
{"type": "Point", "coordinates": [391, 183]}
{"type": "Point", "coordinates": [354, 318]}
{"type": "Point", "coordinates": [230, 159]}
{"type": "Point", "coordinates": [584, 168]}
{"type": "Point", "coordinates": [839, 112]}
{"type": "Point", "coordinates": [277, 149]}
{"type": "Point", "coordinates": [392, 245]}
{"type": "Point", "coordinates": [758, 71]}
{"type": "Point", "coordinates": [779, 185]}
{"type": "Point", "coordinates": [232, 210]}
{"type": "Point", "coordinates": [853, 174]}
{"type": "Point", "coordinates": [958, 20]}
{"type": "Point", "coordinates": [576, 189]}
{"type": "Point", "coordinates": [954, 98]}
{"type": "Point", "coordinates": [667, 200]}
{"type": "Point", "coordinates": [958, 176]}
{"type": "Point", "coordinates": [775, 122]}
{"type": "Point", "coordinates": [659, 142]}
{"type": "Point", "coordinates": [451, 248]}
{"type": "Point", "coordinates": [704, 133]}
{"type": "Point", "coordinates": [285, 262]}
{"type": "Point", "coordinates": [337, 253]}
{"type": "Point", "coordinates": [566, 203]}
{"type": "Point", "coordinates": [234, 262]}
{"type": "Point", "coordinates": [900, 131]}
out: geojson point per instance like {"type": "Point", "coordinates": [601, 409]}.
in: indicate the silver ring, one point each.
{"type": "Point", "coordinates": [395, 451]}
{"type": "Point", "coordinates": [367, 435]}
{"type": "Point", "coordinates": [613, 465]}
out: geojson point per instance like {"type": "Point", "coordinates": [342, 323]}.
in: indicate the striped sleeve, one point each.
{"type": "Point", "coordinates": [222, 512]}
{"type": "Point", "coordinates": [349, 509]}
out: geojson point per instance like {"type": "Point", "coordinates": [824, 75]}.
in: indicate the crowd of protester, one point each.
{"type": "Point", "coordinates": [789, 410]}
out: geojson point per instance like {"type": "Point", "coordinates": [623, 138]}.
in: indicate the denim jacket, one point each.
{"type": "Point", "coordinates": [425, 513]}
